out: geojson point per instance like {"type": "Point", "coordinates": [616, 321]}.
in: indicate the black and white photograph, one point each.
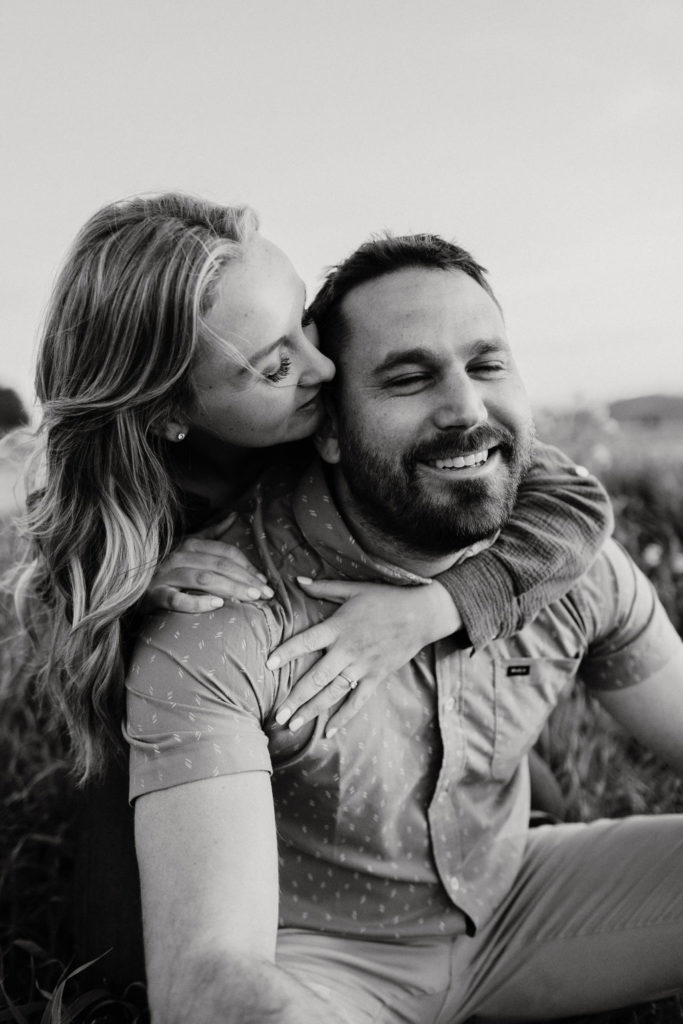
{"type": "Point", "coordinates": [341, 512]}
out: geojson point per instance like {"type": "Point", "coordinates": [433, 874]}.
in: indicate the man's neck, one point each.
{"type": "Point", "coordinates": [382, 545]}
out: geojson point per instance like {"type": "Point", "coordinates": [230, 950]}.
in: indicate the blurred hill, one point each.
{"type": "Point", "coordinates": [649, 410]}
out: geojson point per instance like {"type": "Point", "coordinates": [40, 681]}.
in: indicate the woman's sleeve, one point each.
{"type": "Point", "coordinates": [560, 521]}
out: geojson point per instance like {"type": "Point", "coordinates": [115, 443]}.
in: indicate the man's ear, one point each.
{"type": "Point", "coordinates": [326, 437]}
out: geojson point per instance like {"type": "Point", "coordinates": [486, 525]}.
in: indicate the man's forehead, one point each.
{"type": "Point", "coordinates": [413, 296]}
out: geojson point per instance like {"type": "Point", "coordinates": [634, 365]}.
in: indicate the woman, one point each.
{"type": "Point", "coordinates": [175, 364]}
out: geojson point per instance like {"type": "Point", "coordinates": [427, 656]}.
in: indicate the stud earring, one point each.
{"type": "Point", "coordinates": [180, 436]}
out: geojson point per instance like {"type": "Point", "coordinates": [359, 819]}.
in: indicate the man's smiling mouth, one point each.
{"type": "Point", "coordinates": [461, 461]}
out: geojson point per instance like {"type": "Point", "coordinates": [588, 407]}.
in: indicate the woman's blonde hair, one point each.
{"type": "Point", "coordinates": [114, 365]}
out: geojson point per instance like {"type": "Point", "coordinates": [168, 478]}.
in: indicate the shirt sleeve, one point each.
{"type": "Point", "coordinates": [198, 693]}
{"type": "Point", "coordinates": [632, 635]}
{"type": "Point", "coordinates": [561, 519]}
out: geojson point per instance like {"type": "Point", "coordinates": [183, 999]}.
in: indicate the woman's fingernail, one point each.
{"type": "Point", "coordinates": [305, 580]}
{"type": "Point", "coordinates": [329, 733]}
{"type": "Point", "coordinates": [253, 593]}
{"type": "Point", "coordinates": [283, 716]}
{"type": "Point", "coordinates": [260, 576]}
{"type": "Point", "coordinates": [296, 723]}
{"type": "Point", "coordinates": [273, 661]}
{"type": "Point", "coordinates": [216, 602]}
{"type": "Point", "coordinates": [268, 592]}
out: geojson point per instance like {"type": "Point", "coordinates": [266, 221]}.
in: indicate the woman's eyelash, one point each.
{"type": "Point", "coordinates": [282, 371]}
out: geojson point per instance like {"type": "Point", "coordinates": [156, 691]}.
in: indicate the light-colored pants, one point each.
{"type": "Point", "coordinates": [593, 922]}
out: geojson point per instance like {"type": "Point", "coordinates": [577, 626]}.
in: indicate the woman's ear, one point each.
{"type": "Point", "coordinates": [174, 431]}
{"type": "Point", "coordinates": [326, 437]}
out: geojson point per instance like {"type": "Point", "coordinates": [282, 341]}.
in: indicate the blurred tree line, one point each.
{"type": "Point", "coordinates": [642, 470]}
{"type": "Point", "coordinates": [12, 411]}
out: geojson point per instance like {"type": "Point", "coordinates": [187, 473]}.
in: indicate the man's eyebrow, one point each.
{"type": "Point", "coordinates": [486, 346]}
{"type": "Point", "coordinates": [403, 356]}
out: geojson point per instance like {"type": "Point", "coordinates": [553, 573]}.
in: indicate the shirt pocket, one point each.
{"type": "Point", "coordinates": [525, 692]}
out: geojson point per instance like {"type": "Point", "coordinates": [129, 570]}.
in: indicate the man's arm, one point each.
{"type": "Point", "coordinates": [208, 870]}
{"type": "Point", "coordinates": [652, 711]}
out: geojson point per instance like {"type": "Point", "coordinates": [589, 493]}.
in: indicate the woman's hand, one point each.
{"type": "Point", "coordinates": [217, 569]}
{"type": "Point", "coordinates": [377, 630]}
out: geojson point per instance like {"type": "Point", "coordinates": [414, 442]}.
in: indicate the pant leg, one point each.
{"type": "Point", "coordinates": [593, 922]}
{"type": "Point", "coordinates": [372, 982]}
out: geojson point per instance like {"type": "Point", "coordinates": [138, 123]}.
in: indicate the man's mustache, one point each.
{"type": "Point", "coordinates": [463, 442]}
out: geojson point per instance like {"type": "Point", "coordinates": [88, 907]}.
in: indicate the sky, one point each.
{"type": "Point", "coordinates": [545, 136]}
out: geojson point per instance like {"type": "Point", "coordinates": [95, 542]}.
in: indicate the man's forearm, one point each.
{"type": "Point", "coordinates": [231, 988]}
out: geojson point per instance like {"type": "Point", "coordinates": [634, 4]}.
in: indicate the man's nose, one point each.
{"type": "Point", "coordinates": [459, 404]}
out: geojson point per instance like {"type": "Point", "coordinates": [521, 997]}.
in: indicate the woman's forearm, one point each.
{"type": "Point", "coordinates": [559, 523]}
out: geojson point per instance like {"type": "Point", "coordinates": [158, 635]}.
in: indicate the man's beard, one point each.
{"type": "Point", "coordinates": [397, 499]}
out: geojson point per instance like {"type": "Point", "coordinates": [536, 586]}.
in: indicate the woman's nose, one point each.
{"type": "Point", "coordinates": [317, 368]}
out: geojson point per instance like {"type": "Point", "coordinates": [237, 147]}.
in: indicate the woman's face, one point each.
{"type": "Point", "coordinates": [275, 397]}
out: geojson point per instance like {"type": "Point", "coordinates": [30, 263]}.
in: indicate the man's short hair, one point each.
{"type": "Point", "coordinates": [381, 255]}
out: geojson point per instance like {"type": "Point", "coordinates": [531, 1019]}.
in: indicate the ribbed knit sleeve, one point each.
{"type": "Point", "coordinates": [560, 521]}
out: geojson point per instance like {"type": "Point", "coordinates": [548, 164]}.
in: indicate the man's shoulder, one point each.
{"type": "Point", "coordinates": [606, 594]}
{"type": "Point", "coordinates": [610, 597]}
{"type": "Point", "coordinates": [186, 635]}
{"type": "Point", "coordinates": [265, 527]}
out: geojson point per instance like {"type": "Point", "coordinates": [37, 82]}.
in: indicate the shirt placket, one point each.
{"type": "Point", "coordinates": [443, 819]}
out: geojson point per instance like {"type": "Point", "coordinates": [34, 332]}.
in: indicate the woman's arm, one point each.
{"type": "Point", "coordinates": [560, 521]}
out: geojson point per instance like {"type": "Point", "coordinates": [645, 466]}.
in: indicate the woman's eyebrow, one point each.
{"type": "Point", "coordinates": [267, 349]}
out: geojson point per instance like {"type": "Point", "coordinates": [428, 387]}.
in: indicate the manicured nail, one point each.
{"type": "Point", "coordinates": [296, 723]}
{"type": "Point", "coordinates": [329, 733]}
{"type": "Point", "coordinates": [273, 662]}
{"type": "Point", "coordinates": [254, 593]}
{"type": "Point", "coordinates": [260, 576]}
{"type": "Point", "coordinates": [268, 592]}
{"type": "Point", "coordinates": [304, 580]}
{"type": "Point", "coordinates": [283, 716]}
{"type": "Point", "coordinates": [216, 602]}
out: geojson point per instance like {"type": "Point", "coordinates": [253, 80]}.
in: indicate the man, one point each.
{"type": "Point", "coordinates": [410, 887]}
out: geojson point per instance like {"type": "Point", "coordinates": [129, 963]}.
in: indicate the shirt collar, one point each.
{"type": "Point", "coordinates": [326, 531]}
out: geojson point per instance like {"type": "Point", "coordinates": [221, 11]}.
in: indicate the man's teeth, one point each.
{"type": "Point", "coordinates": [460, 461]}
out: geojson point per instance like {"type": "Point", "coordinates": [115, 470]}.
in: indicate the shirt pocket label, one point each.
{"type": "Point", "coordinates": [526, 691]}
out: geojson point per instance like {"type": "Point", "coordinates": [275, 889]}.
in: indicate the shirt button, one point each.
{"type": "Point", "coordinates": [454, 882]}
{"type": "Point", "coordinates": [449, 705]}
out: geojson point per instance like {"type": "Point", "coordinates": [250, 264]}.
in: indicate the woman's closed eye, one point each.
{"type": "Point", "coordinates": [281, 372]}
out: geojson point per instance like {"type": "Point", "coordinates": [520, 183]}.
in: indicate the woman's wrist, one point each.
{"type": "Point", "coordinates": [442, 618]}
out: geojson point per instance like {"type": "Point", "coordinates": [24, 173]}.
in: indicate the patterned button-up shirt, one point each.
{"type": "Point", "coordinates": [412, 820]}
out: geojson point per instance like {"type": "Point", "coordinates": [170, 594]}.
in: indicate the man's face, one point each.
{"type": "Point", "coordinates": [434, 425]}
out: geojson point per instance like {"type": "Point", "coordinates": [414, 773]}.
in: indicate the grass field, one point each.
{"type": "Point", "coordinates": [601, 771]}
